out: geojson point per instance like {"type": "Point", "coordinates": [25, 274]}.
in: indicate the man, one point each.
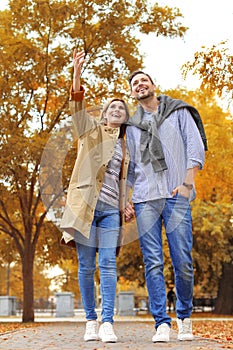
{"type": "Point", "coordinates": [167, 146]}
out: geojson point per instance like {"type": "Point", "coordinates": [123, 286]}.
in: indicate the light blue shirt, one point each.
{"type": "Point", "coordinates": [183, 149]}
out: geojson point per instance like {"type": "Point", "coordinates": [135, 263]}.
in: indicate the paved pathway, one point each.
{"type": "Point", "coordinates": [132, 335]}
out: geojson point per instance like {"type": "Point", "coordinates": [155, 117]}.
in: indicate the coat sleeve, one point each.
{"type": "Point", "coordinates": [82, 121]}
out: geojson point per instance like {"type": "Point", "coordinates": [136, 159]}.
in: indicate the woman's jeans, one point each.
{"type": "Point", "coordinates": [175, 213]}
{"type": "Point", "coordinates": [104, 236]}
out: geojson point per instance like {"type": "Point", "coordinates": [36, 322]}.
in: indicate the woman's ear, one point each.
{"type": "Point", "coordinates": [104, 118]}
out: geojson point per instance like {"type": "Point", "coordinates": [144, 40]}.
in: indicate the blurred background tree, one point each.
{"type": "Point", "coordinates": [214, 66]}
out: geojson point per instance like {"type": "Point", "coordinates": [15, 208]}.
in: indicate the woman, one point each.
{"type": "Point", "coordinates": [95, 202]}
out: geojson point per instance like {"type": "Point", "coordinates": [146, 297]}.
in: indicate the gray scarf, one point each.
{"type": "Point", "coordinates": [150, 144]}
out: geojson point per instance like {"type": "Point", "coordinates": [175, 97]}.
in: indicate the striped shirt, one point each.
{"type": "Point", "coordinates": [109, 192]}
{"type": "Point", "coordinates": [183, 149]}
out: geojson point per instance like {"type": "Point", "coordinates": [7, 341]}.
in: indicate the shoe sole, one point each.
{"type": "Point", "coordinates": [107, 341]}
{"type": "Point", "coordinates": [92, 339]}
{"type": "Point", "coordinates": [162, 340]}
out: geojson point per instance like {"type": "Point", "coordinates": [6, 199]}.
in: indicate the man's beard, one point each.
{"type": "Point", "coordinates": [149, 94]}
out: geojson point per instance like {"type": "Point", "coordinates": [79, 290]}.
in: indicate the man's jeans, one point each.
{"type": "Point", "coordinates": [176, 214]}
{"type": "Point", "coordinates": [104, 236]}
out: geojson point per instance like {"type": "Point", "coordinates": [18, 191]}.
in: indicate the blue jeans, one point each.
{"type": "Point", "coordinates": [104, 236]}
{"type": "Point", "coordinates": [175, 213]}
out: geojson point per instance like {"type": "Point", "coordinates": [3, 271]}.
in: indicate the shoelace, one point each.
{"type": "Point", "coordinates": [108, 328]}
{"type": "Point", "coordinates": [161, 329]}
{"type": "Point", "coordinates": [186, 327]}
{"type": "Point", "coordinates": [91, 328]}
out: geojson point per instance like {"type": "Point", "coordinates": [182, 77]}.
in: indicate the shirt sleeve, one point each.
{"type": "Point", "coordinates": [192, 139]}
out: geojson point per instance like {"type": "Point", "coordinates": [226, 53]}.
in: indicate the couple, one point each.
{"type": "Point", "coordinates": [164, 148]}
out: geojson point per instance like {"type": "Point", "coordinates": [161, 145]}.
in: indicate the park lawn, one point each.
{"type": "Point", "coordinates": [218, 330]}
{"type": "Point", "coordinates": [6, 327]}
{"type": "Point", "coordinates": [213, 329]}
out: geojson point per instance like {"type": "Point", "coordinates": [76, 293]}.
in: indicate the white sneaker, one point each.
{"type": "Point", "coordinates": [185, 329]}
{"type": "Point", "coordinates": [162, 333]}
{"type": "Point", "coordinates": [91, 332]}
{"type": "Point", "coordinates": [106, 333]}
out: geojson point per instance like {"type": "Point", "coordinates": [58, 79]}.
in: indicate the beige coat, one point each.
{"type": "Point", "coordinates": [96, 146]}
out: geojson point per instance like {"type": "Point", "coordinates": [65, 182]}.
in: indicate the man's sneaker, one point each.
{"type": "Point", "coordinates": [185, 329]}
{"type": "Point", "coordinates": [106, 333]}
{"type": "Point", "coordinates": [91, 332]}
{"type": "Point", "coordinates": [162, 333]}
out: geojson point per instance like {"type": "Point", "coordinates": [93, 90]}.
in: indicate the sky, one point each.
{"type": "Point", "coordinates": [209, 22]}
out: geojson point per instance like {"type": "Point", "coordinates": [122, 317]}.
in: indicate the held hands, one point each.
{"type": "Point", "coordinates": [129, 212]}
{"type": "Point", "coordinates": [78, 60]}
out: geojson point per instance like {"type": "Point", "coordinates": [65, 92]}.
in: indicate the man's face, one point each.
{"type": "Point", "coordinates": [142, 87]}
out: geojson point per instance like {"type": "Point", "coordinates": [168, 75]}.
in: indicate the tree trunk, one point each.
{"type": "Point", "coordinates": [28, 287]}
{"type": "Point", "coordinates": [224, 302]}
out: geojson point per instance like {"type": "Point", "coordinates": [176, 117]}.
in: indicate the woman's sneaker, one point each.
{"type": "Point", "coordinates": [91, 332]}
{"type": "Point", "coordinates": [162, 333]}
{"type": "Point", "coordinates": [106, 333]}
{"type": "Point", "coordinates": [185, 329]}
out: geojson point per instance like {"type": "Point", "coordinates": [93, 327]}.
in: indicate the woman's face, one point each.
{"type": "Point", "coordinates": [116, 114]}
